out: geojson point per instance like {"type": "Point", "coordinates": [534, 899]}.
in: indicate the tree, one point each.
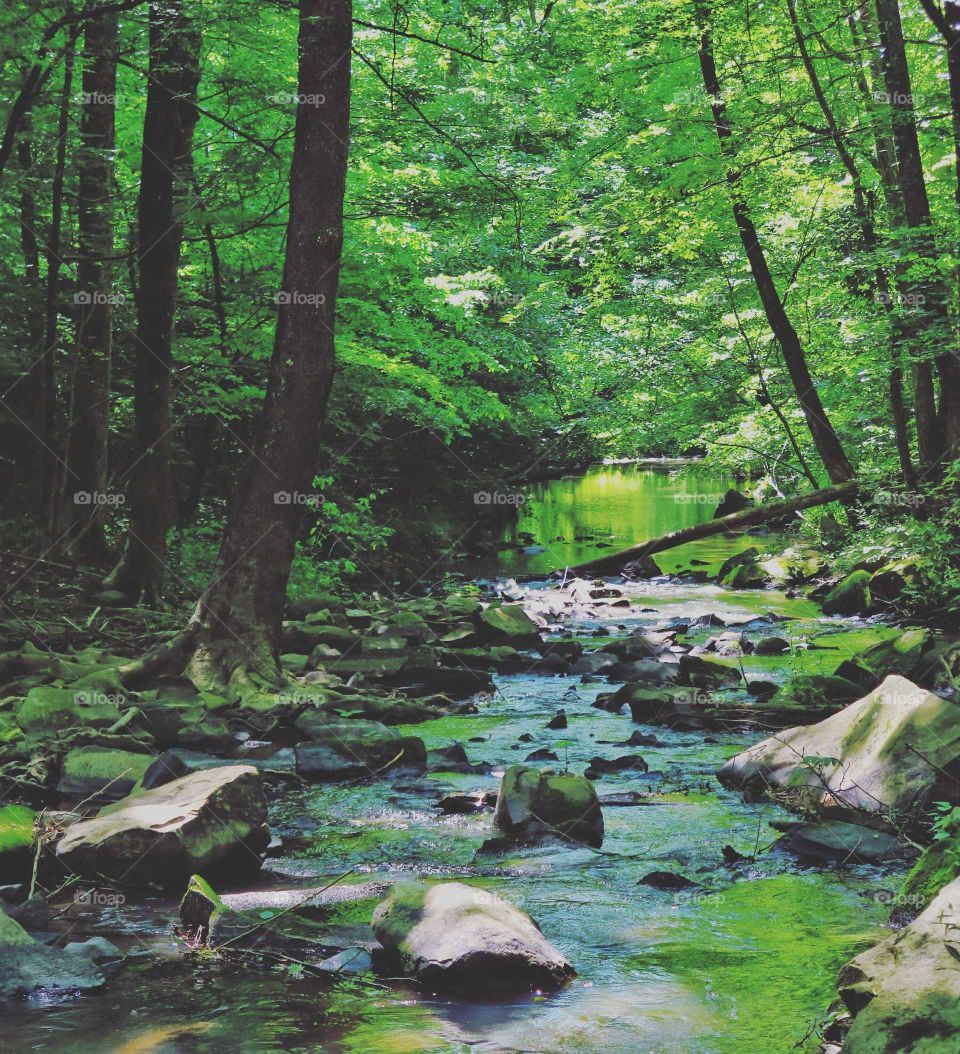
{"type": "Point", "coordinates": [82, 504]}
{"type": "Point", "coordinates": [825, 438]}
{"type": "Point", "coordinates": [232, 639]}
{"type": "Point", "coordinates": [165, 196]}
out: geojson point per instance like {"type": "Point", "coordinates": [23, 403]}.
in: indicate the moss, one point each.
{"type": "Point", "coordinates": [938, 865]}
{"type": "Point", "coordinates": [850, 596]}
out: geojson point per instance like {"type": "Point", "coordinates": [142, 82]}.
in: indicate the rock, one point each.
{"type": "Point", "coordinates": [454, 759]}
{"type": "Point", "coordinates": [677, 708]}
{"type": "Point", "coordinates": [458, 683]}
{"type": "Point", "coordinates": [771, 646]}
{"type": "Point", "coordinates": [702, 673]}
{"type": "Point", "coordinates": [594, 662]}
{"type": "Point", "coordinates": [208, 821]}
{"type": "Point", "coordinates": [650, 670]}
{"type": "Point", "coordinates": [345, 753]}
{"type": "Point", "coordinates": [101, 774]}
{"type": "Point", "coordinates": [889, 583]}
{"type": "Point", "coordinates": [850, 596]}
{"type": "Point", "coordinates": [625, 799]}
{"type": "Point", "coordinates": [543, 754]}
{"type": "Point", "coordinates": [666, 880]}
{"type": "Point", "coordinates": [741, 569]}
{"type": "Point", "coordinates": [901, 655]}
{"type": "Point", "coordinates": [641, 567]}
{"type": "Point", "coordinates": [30, 969]}
{"type": "Point", "coordinates": [466, 804]}
{"type": "Point", "coordinates": [938, 866]}
{"type": "Point", "coordinates": [16, 841]}
{"type": "Point", "coordinates": [808, 697]}
{"type": "Point", "coordinates": [534, 803]}
{"type": "Point", "coordinates": [300, 608]}
{"type": "Point", "coordinates": [558, 721]}
{"type": "Point", "coordinates": [628, 763]}
{"type": "Point", "coordinates": [571, 650]}
{"type": "Point", "coordinates": [890, 752]}
{"type": "Point", "coordinates": [48, 711]}
{"type": "Point", "coordinates": [96, 949]}
{"type": "Point", "coordinates": [835, 840]}
{"type": "Point", "coordinates": [508, 624]}
{"type": "Point", "coordinates": [732, 501]}
{"type": "Point", "coordinates": [457, 938]}
{"type": "Point", "coordinates": [904, 993]}
{"type": "Point", "coordinates": [172, 764]}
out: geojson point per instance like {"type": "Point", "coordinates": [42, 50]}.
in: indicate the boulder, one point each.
{"type": "Point", "coordinates": [595, 662]}
{"type": "Point", "coordinates": [454, 682]}
{"type": "Point", "coordinates": [51, 711]}
{"type": "Point", "coordinates": [344, 751]}
{"type": "Point", "coordinates": [901, 655]}
{"type": "Point", "coordinates": [771, 646]}
{"type": "Point", "coordinates": [810, 696]}
{"type": "Point", "coordinates": [889, 582]}
{"type": "Point", "coordinates": [101, 773]}
{"type": "Point", "coordinates": [850, 596]}
{"type": "Point", "coordinates": [509, 624]}
{"type": "Point", "coordinates": [652, 671]}
{"type": "Point", "coordinates": [31, 969]}
{"type": "Point", "coordinates": [837, 841]}
{"type": "Point", "coordinates": [732, 501]}
{"type": "Point", "coordinates": [537, 803]}
{"type": "Point", "coordinates": [904, 993]}
{"type": "Point", "coordinates": [641, 567]}
{"type": "Point", "coordinates": [604, 766]}
{"type": "Point", "coordinates": [890, 753]}
{"type": "Point", "coordinates": [453, 937]}
{"type": "Point", "coordinates": [208, 821]}
{"type": "Point", "coordinates": [703, 673]}
{"type": "Point", "coordinates": [177, 762]}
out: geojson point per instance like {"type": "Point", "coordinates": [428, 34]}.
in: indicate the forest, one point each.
{"type": "Point", "coordinates": [480, 526]}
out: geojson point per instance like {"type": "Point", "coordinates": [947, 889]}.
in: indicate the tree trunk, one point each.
{"type": "Point", "coordinates": [84, 501]}
{"type": "Point", "coordinates": [938, 428]}
{"type": "Point", "coordinates": [862, 207]}
{"type": "Point", "coordinates": [824, 437]}
{"type": "Point", "coordinates": [46, 378]}
{"type": "Point", "coordinates": [231, 643]}
{"type": "Point", "coordinates": [171, 116]}
{"type": "Point", "coordinates": [736, 521]}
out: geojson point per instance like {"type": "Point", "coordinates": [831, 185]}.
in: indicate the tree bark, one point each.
{"type": "Point", "coordinates": [84, 500]}
{"type": "Point", "coordinates": [938, 428]}
{"type": "Point", "coordinates": [171, 117]}
{"type": "Point", "coordinates": [779, 510]}
{"type": "Point", "coordinates": [231, 643]}
{"type": "Point", "coordinates": [46, 383]}
{"type": "Point", "coordinates": [825, 439]}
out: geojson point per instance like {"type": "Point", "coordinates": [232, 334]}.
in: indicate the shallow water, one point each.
{"type": "Point", "coordinates": [745, 964]}
{"type": "Point", "coordinates": [611, 507]}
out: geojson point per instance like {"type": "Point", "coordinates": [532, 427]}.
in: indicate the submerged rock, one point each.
{"type": "Point", "coordinates": [457, 938]}
{"type": "Point", "coordinates": [904, 993]}
{"type": "Point", "coordinates": [892, 752]}
{"type": "Point", "coordinates": [837, 841]}
{"type": "Point", "coordinates": [213, 820]}
{"type": "Point", "coordinates": [28, 968]}
{"type": "Point", "coordinates": [534, 803]}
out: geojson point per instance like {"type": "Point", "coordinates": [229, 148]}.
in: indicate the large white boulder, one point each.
{"type": "Point", "coordinates": [214, 819]}
{"type": "Point", "coordinates": [904, 993]}
{"type": "Point", "coordinates": [888, 754]}
{"type": "Point", "coordinates": [454, 937]}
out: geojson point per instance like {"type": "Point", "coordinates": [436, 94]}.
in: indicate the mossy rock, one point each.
{"type": "Point", "coordinates": [745, 576]}
{"type": "Point", "coordinates": [47, 711]}
{"type": "Point", "coordinates": [816, 695]}
{"type": "Point", "coordinates": [741, 559]}
{"type": "Point", "coordinates": [938, 866]}
{"type": "Point", "coordinates": [509, 624]}
{"type": "Point", "coordinates": [16, 842]}
{"type": "Point", "coordinates": [299, 609]}
{"type": "Point", "coordinates": [537, 803]}
{"type": "Point", "coordinates": [891, 581]}
{"type": "Point", "coordinates": [100, 773]}
{"type": "Point", "coordinates": [899, 655]}
{"type": "Point", "coordinates": [850, 596]}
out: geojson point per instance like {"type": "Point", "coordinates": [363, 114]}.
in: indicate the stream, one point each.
{"type": "Point", "coordinates": [744, 964]}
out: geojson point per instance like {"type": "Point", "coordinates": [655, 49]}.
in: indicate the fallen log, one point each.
{"type": "Point", "coordinates": [770, 513]}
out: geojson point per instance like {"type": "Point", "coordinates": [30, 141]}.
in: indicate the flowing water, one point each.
{"type": "Point", "coordinates": [745, 964]}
